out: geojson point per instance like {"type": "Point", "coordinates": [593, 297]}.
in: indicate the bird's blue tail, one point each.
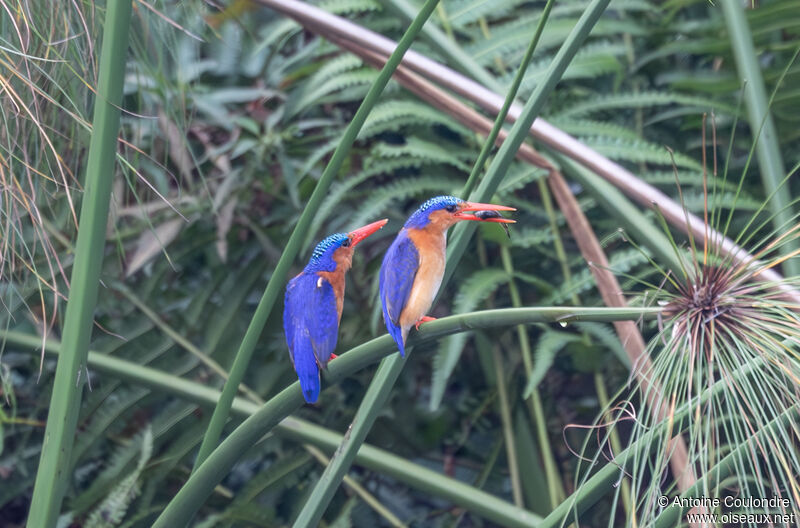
{"type": "Point", "coordinates": [307, 370]}
{"type": "Point", "coordinates": [395, 331]}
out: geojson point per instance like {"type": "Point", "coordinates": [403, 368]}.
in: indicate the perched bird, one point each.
{"type": "Point", "coordinates": [413, 266]}
{"type": "Point", "coordinates": [313, 306]}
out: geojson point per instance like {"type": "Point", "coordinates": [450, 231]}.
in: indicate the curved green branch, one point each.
{"type": "Point", "coordinates": [202, 482]}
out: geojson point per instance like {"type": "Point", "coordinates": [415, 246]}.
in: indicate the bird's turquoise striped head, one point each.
{"type": "Point", "coordinates": [322, 257]}
{"type": "Point", "coordinates": [421, 216]}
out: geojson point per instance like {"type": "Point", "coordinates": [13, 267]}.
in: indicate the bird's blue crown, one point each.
{"type": "Point", "coordinates": [321, 257]}
{"type": "Point", "coordinates": [420, 218]}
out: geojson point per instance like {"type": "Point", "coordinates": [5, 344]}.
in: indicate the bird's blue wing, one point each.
{"type": "Point", "coordinates": [400, 265]}
{"type": "Point", "coordinates": [323, 320]}
{"type": "Point", "coordinates": [311, 325]}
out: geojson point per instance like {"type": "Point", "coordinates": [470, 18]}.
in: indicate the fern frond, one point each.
{"type": "Point", "coordinates": [589, 127]}
{"type": "Point", "coordinates": [380, 199]}
{"type": "Point", "coordinates": [518, 177]}
{"type": "Point", "coordinates": [619, 262]}
{"type": "Point", "coordinates": [107, 418]}
{"type": "Point", "coordinates": [639, 151]}
{"type": "Point", "coordinates": [593, 60]}
{"type": "Point", "coordinates": [345, 7]}
{"type": "Point", "coordinates": [112, 510]}
{"type": "Point", "coordinates": [415, 147]}
{"type": "Point", "coordinates": [360, 77]}
{"type": "Point", "coordinates": [392, 115]}
{"type": "Point", "coordinates": [464, 12]}
{"type": "Point", "coordinates": [631, 100]}
{"type": "Point", "coordinates": [607, 337]}
{"type": "Point", "coordinates": [632, 6]}
{"type": "Point", "coordinates": [550, 343]}
{"type": "Point", "coordinates": [526, 237]}
{"type": "Point", "coordinates": [509, 39]}
{"type": "Point", "coordinates": [687, 179]}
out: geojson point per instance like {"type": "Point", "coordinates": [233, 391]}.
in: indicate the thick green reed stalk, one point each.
{"type": "Point", "coordinates": [488, 144]}
{"type": "Point", "coordinates": [762, 126]}
{"type": "Point", "coordinates": [276, 282]}
{"type": "Point", "coordinates": [53, 473]}
{"type": "Point", "coordinates": [201, 483]}
{"type": "Point", "coordinates": [521, 128]}
{"type": "Point", "coordinates": [390, 368]}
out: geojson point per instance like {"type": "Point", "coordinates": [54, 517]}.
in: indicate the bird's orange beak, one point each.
{"type": "Point", "coordinates": [483, 214]}
{"type": "Point", "coordinates": [361, 233]}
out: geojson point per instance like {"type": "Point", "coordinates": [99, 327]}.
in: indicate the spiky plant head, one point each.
{"type": "Point", "coordinates": [723, 374]}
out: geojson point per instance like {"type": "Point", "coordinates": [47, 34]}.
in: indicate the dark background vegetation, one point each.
{"type": "Point", "coordinates": [230, 118]}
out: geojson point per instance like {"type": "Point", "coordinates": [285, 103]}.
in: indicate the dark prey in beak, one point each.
{"type": "Point", "coordinates": [487, 216]}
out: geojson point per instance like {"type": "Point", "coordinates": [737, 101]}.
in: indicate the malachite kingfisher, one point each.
{"type": "Point", "coordinates": [413, 266]}
{"type": "Point", "coordinates": [313, 306]}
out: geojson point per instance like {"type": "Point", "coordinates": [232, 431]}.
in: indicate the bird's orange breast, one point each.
{"type": "Point", "coordinates": [430, 246]}
{"type": "Point", "coordinates": [336, 278]}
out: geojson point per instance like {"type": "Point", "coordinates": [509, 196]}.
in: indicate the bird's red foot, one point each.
{"type": "Point", "coordinates": [333, 356]}
{"type": "Point", "coordinates": [424, 319]}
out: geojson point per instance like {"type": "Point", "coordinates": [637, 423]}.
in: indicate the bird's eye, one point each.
{"type": "Point", "coordinates": [450, 208]}
{"type": "Point", "coordinates": [346, 242]}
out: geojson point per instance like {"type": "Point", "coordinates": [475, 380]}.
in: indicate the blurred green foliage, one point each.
{"type": "Point", "coordinates": [228, 123]}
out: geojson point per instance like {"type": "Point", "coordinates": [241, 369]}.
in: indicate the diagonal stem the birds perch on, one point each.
{"type": "Point", "coordinates": [201, 483]}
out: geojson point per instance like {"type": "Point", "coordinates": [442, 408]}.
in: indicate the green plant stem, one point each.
{"type": "Point", "coordinates": [558, 244]}
{"type": "Point", "coordinates": [201, 483]}
{"type": "Point", "coordinates": [326, 487]}
{"type": "Point", "coordinates": [276, 283]}
{"type": "Point", "coordinates": [53, 473]}
{"type": "Point", "coordinates": [762, 125]}
{"type": "Point", "coordinates": [554, 487]}
{"type": "Point", "coordinates": [521, 129]}
{"type": "Point", "coordinates": [488, 144]}
{"type": "Point", "coordinates": [359, 490]}
{"type": "Point", "coordinates": [443, 18]}
{"type": "Point", "coordinates": [508, 428]}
